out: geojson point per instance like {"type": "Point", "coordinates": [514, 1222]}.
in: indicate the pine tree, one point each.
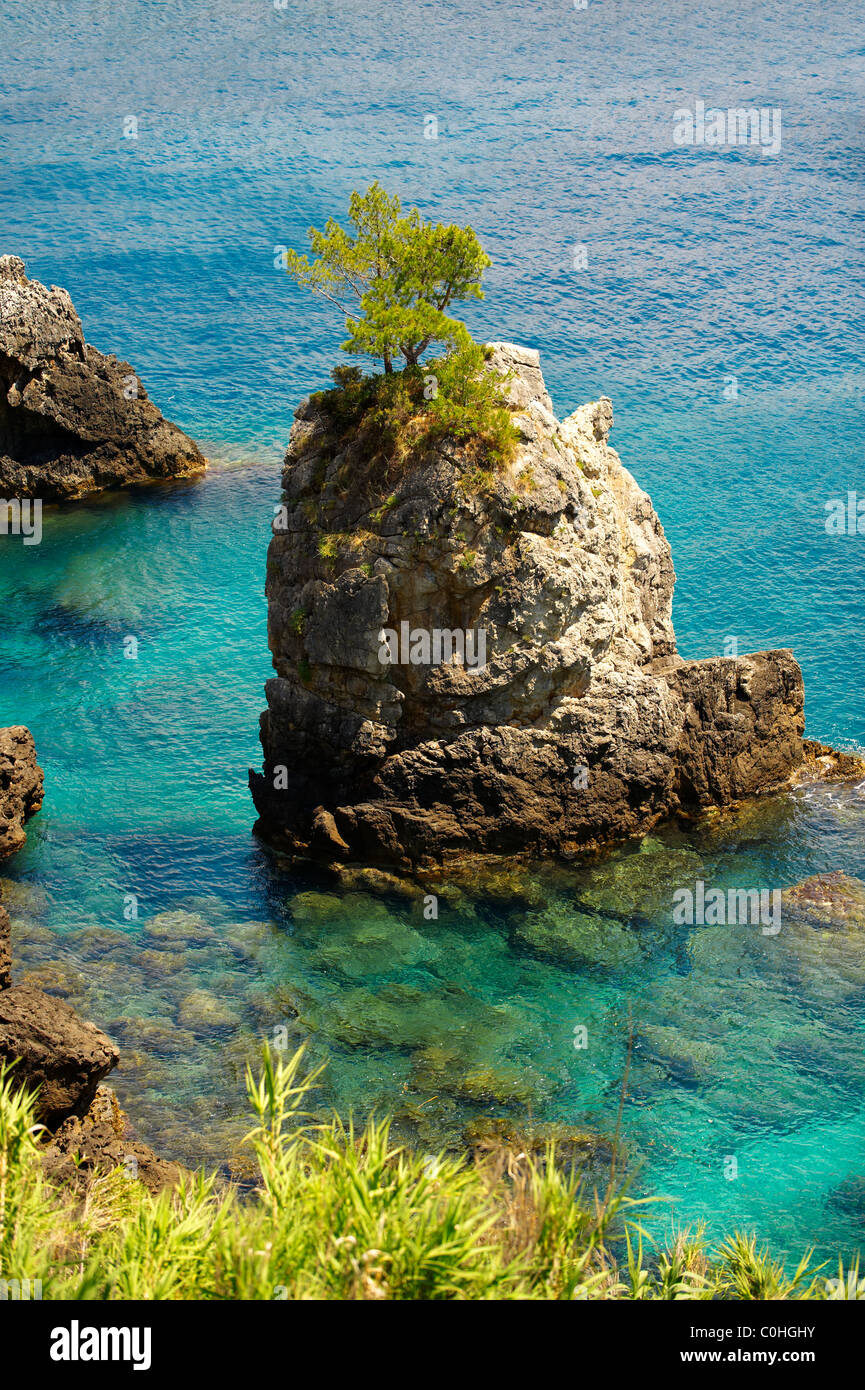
{"type": "Point", "coordinates": [393, 278]}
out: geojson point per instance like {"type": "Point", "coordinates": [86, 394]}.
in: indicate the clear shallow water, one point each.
{"type": "Point", "coordinates": [554, 129]}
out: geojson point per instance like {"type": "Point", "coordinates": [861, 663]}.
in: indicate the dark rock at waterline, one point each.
{"type": "Point", "coordinates": [742, 728]}
{"type": "Point", "coordinates": [53, 1049]}
{"type": "Point", "coordinates": [582, 727]}
{"type": "Point", "coordinates": [73, 421]}
{"type": "Point", "coordinates": [21, 786]}
{"type": "Point", "coordinates": [101, 1140]}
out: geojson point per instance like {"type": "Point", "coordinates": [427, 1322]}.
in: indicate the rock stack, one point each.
{"type": "Point", "coordinates": [580, 727]}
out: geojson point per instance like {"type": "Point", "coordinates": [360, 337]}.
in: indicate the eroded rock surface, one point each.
{"type": "Point", "coordinates": [583, 726]}
{"type": "Point", "coordinates": [55, 1050]}
{"type": "Point", "coordinates": [100, 1140]}
{"type": "Point", "coordinates": [20, 786]}
{"type": "Point", "coordinates": [73, 421]}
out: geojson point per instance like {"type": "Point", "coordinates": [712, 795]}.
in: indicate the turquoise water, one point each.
{"type": "Point", "coordinates": [554, 129]}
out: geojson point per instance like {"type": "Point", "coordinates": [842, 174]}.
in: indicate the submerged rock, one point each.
{"type": "Point", "coordinates": [476, 1079]}
{"type": "Point", "coordinates": [73, 421]}
{"type": "Point", "coordinates": [575, 939]}
{"type": "Point", "coordinates": [575, 1150]}
{"type": "Point", "coordinates": [20, 786]}
{"type": "Point", "coordinates": [833, 900]}
{"type": "Point", "coordinates": [202, 1011]}
{"type": "Point", "coordinates": [639, 884]}
{"type": "Point", "coordinates": [580, 728]}
{"type": "Point", "coordinates": [5, 947]}
{"type": "Point", "coordinates": [180, 928]}
{"type": "Point", "coordinates": [823, 936]}
{"type": "Point", "coordinates": [849, 1196]}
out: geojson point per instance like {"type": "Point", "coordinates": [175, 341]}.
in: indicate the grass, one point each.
{"type": "Point", "coordinates": [345, 1214]}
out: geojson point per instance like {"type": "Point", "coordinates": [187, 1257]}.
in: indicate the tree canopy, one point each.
{"type": "Point", "coordinates": [393, 277]}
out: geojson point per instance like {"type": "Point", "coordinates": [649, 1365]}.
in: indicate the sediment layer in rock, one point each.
{"type": "Point", "coordinates": [73, 421]}
{"type": "Point", "coordinates": [582, 728]}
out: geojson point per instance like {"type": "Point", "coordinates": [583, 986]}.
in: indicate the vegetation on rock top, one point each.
{"type": "Point", "coordinates": [393, 280]}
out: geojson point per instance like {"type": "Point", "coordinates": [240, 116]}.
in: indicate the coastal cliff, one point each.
{"type": "Point", "coordinates": [73, 421]}
{"type": "Point", "coordinates": [474, 660]}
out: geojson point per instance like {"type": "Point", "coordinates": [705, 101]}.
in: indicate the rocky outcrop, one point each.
{"type": "Point", "coordinates": [821, 763]}
{"type": "Point", "coordinates": [580, 728]}
{"type": "Point", "coordinates": [53, 1049]}
{"type": "Point", "coordinates": [65, 1060]}
{"type": "Point", "coordinates": [101, 1140]}
{"type": "Point", "coordinates": [742, 731]}
{"type": "Point", "coordinates": [73, 421]}
{"type": "Point", "coordinates": [20, 787]}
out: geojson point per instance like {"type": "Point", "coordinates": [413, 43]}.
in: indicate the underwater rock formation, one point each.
{"type": "Point", "coordinates": [5, 948]}
{"type": "Point", "coordinates": [20, 787]}
{"type": "Point", "coordinates": [570, 724]}
{"type": "Point", "coordinates": [833, 901]}
{"type": "Point", "coordinates": [73, 421]}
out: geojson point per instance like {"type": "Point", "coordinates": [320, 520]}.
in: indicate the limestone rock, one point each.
{"type": "Point", "coordinates": [20, 786]}
{"type": "Point", "coordinates": [56, 1051]}
{"type": "Point", "coordinates": [825, 764]}
{"type": "Point", "coordinates": [73, 421]}
{"type": "Point", "coordinates": [582, 726]}
{"type": "Point", "coordinates": [743, 727]}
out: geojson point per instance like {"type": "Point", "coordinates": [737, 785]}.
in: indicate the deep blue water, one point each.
{"type": "Point", "coordinates": [555, 129]}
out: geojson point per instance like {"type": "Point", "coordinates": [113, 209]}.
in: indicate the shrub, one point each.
{"type": "Point", "coordinates": [346, 1214]}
